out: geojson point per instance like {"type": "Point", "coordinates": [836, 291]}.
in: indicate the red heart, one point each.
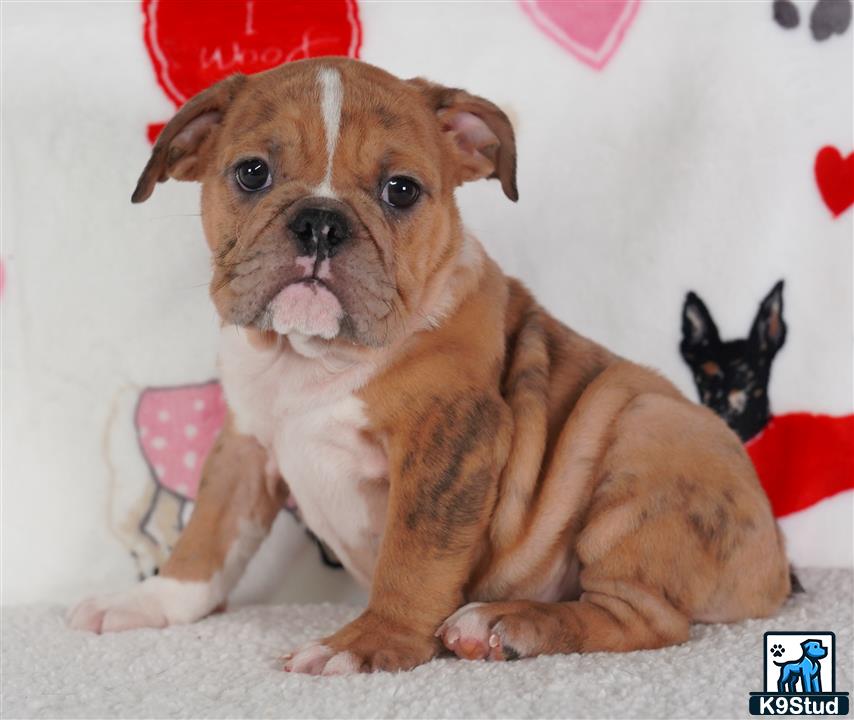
{"type": "Point", "coordinates": [195, 43]}
{"type": "Point", "coordinates": [803, 458]}
{"type": "Point", "coordinates": [834, 175]}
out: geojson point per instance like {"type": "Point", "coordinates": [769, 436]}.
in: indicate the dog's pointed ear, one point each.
{"type": "Point", "coordinates": [698, 329]}
{"type": "Point", "coordinates": [479, 134]}
{"type": "Point", "coordinates": [769, 329]}
{"type": "Point", "coordinates": [182, 146]}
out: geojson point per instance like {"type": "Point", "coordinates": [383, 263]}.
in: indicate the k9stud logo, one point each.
{"type": "Point", "coordinates": [800, 676]}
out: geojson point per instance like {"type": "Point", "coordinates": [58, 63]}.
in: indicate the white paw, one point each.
{"type": "Point", "coordinates": [154, 603]}
{"type": "Point", "coordinates": [117, 611]}
{"type": "Point", "coordinates": [314, 658]}
{"type": "Point", "coordinates": [472, 633]}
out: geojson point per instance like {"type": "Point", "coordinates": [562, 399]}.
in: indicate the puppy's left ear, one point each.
{"type": "Point", "coordinates": [479, 133]}
{"type": "Point", "coordinates": [181, 148]}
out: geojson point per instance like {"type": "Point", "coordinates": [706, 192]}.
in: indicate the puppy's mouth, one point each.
{"type": "Point", "coordinates": [306, 306]}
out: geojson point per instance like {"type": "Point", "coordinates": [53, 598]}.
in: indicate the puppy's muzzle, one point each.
{"type": "Point", "coordinates": [319, 231]}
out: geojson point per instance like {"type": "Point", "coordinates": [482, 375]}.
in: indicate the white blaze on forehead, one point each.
{"type": "Point", "coordinates": [331, 98]}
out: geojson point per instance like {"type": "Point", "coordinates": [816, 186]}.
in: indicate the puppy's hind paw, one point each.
{"type": "Point", "coordinates": [471, 635]}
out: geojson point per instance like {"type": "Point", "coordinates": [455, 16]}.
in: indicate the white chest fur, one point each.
{"type": "Point", "coordinates": [306, 414]}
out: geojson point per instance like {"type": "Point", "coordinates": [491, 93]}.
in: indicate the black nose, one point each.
{"type": "Point", "coordinates": [319, 231]}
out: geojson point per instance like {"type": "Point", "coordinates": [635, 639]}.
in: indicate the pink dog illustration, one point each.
{"type": "Point", "coordinates": [156, 442]}
{"type": "Point", "coordinates": [176, 428]}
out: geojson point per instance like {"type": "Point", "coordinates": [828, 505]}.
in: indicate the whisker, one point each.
{"type": "Point", "coordinates": [385, 338]}
{"type": "Point", "coordinates": [233, 264]}
{"type": "Point", "coordinates": [194, 287]}
{"type": "Point", "coordinates": [220, 285]}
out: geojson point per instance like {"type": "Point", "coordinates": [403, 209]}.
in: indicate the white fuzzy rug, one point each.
{"type": "Point", "coordinates": [226, 666]}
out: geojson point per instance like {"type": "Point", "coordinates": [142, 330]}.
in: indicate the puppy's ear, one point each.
{"type": "Point", "coordinates": [479, 134]}
{"type": "Point", "coordinates": [182, 146]}
{"type": "Point", "coordinates": [699, 331]}
{"type": "Point", "coordinates": [769, 329]}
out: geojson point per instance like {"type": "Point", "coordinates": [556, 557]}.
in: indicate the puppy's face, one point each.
{"type": "Point", "coordinates": [327, 192]}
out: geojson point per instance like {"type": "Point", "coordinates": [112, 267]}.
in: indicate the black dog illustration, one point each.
{"type": "Point", "coordinates": [732, 377]}
{"type": "Point", "coordinates": [827, 17]}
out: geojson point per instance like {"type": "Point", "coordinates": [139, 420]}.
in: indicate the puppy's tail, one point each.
{"type": "Point", "coordinates": [795, 582]}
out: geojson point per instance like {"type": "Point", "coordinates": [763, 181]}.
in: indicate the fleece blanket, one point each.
{"type": "Point", "coordinates": [226, 666]}
{"type": "Point", "coordinates": [686, 179]}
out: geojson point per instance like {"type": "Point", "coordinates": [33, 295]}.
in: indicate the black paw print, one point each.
{"type": "Point", "coordinates": [827, 17]}
{"type": "Point", "coordinates": [777, 650]}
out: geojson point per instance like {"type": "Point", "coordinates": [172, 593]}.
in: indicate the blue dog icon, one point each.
{"type": "Point", "coordinates": [807, 669]}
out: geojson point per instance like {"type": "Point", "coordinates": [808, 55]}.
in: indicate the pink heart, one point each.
{"type": "Point", "coordinates": [592, 30]}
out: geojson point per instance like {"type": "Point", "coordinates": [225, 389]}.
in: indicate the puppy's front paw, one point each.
{"type": "Point", "coordinates": [367, 644]}
{"type": "Point", "coordinates": [154, 603]}
{"type": "Point", "coordinates": [115, 612]}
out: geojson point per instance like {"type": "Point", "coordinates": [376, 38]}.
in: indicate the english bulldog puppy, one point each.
{"type": "Point", "coordinates": [504, 486]}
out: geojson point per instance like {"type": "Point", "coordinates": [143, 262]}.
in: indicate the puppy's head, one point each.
{"type": "Point", "coordinates": [327, 192]}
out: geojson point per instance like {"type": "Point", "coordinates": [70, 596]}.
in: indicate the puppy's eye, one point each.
{"type": "Point", "coordinates": [253, 175]}
{"type": "Point", "coordinates": [401, 192]}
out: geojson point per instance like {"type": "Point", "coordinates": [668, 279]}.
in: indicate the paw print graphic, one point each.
{"type": "Point", "coordinates": [777, 650]}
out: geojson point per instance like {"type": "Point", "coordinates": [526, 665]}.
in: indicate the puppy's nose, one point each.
{"type": "Point", "coordinates": [319, 231]}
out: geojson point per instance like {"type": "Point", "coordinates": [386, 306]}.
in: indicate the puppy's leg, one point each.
{"type": "Point", "coordinates": [437, 516]}
{"type": "Point", "coordinates": [621, 616]}
{"type": "Point", "coordinates": [238, 500]}
{"type": "Point", "coordinates": [620, 609]}
{"type": "Point", "coordinates": [677, 530]}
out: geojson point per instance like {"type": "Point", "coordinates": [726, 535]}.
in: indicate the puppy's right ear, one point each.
{"type": "Point", "coordinates": [698, 329]}
{"type": "Point", "coordinates": [182, 146]}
